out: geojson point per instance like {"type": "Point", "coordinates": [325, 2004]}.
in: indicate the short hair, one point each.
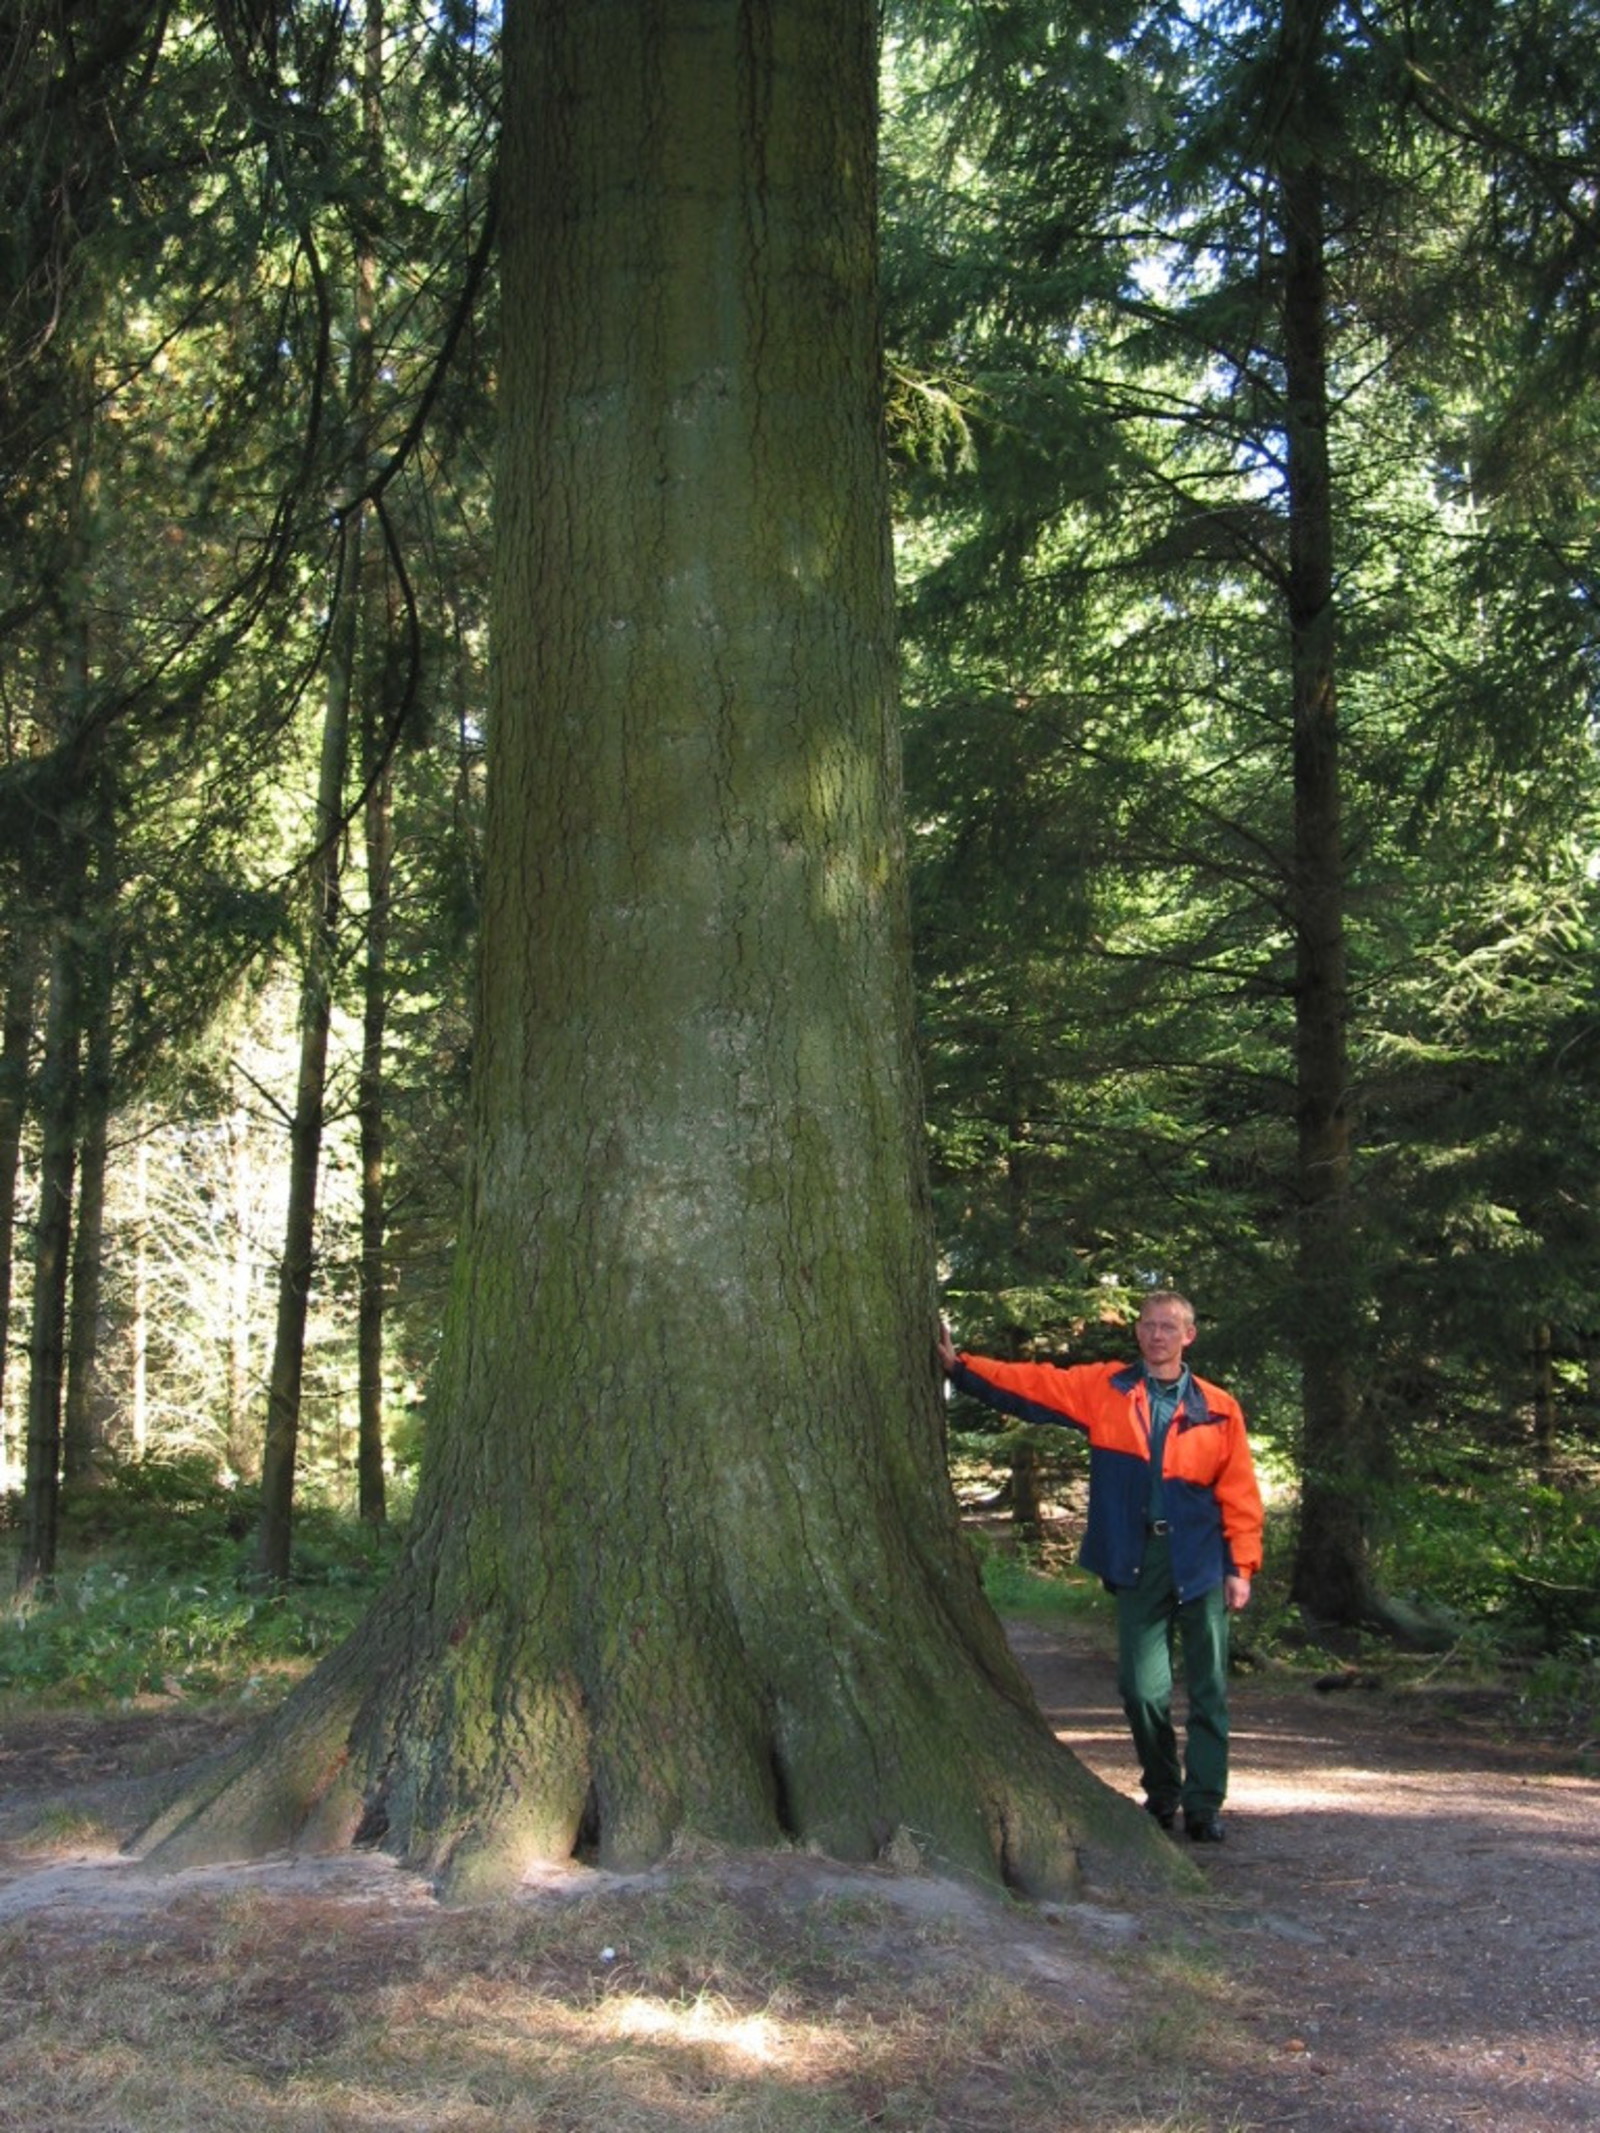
{"type": "Point", "coordinates": [1169, 1296]}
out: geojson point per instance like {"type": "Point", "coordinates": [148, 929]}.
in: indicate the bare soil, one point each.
{"type": "Point", "coordinates": [1405, 1914]}
{"type": "Point", "coordinates": [1409, 1896]}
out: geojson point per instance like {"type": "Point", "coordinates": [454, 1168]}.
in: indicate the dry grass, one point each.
{"type": "Point", "coordinates": [751, 2001]}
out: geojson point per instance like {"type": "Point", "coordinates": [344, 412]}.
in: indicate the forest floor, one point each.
{"type": "Point", "coordinates": [1401, 1934]}
{"type": "Point", "coordinates": [1411, 1893]}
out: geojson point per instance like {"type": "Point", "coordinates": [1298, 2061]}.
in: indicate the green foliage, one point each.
{"type": "Point", "coordinates": [1019, 1587]}
{"type": "Point", "coordinates": [1520, 1559]}
{"type": "Point", "coordinates": [107, 1637]}
{"type": "Point", "coordinates": [158, 1601]}
{"type": "Point", "coordinates": [1562, 1696]}
{"type": "Point", "coordinates": [169, 1517]}
{"type": "Point", "coordinates": [180, 423]}
{"type": "Point", "coordinates": [1099, 748]}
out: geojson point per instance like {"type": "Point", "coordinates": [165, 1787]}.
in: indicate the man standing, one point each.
{"type": "Point", "coordinates": [1174, 1530]}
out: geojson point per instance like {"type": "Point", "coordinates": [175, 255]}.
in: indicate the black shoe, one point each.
{"type": "Point", "coordinates": [1166, 1816]}
{"type": "Point", "coordinates": [1204, 1829]}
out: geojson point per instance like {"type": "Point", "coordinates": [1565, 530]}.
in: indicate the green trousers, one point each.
{"type": "Point", "coordinates": [1150, 1620]}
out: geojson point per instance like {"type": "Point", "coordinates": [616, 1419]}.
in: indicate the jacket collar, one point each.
{"type": "Point", "coordinates": [1193, 1405]}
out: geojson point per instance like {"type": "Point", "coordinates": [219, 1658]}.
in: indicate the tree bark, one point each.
{"type": "Point", "coordinates": [87, 1407]}
{"type": "Point", "coordinates": [139, 1315]}
{"type": "Point", "coordinates": [60, 1072]}
{"type": "Point", "coordinates": [280, 1447]}
{"type": "Point", "coordinates": [47, 1340]}
{"type": "Point", "coordinates": [1545, 1464]}
{"type": "Point", "coordinates": [243, 1434]}
{"type": "Point", "coordinates": [16, 1045]}
{"type": "Point", "coordinates": [378, 784]}
{"type": "Point", "coordinates": [686, 1562]}
{"type": "Point", "coordinates": [274, 1536]}
{"type": "Point", "coordinates": [371, 1120]}
{"type": "Point", "coordinates": [1331, 1574]}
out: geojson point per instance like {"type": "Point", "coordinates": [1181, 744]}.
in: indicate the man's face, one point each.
{"type": "Point", "coordinates": [1164, 1331]}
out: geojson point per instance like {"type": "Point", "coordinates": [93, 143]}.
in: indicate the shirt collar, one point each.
{"type": "Point", "coordinates": [1167, 1388]}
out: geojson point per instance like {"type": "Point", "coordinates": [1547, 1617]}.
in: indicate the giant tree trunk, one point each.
{"type": "Point", "coordinates": [1330, 1570]}
{"type": "Point", "coordinates": [686, 1560]}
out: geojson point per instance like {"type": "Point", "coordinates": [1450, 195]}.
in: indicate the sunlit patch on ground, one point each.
{"type": "Point", "coordinates": [745, 2040]}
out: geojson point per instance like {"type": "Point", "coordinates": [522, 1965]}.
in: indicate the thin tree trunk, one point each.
{"type": "Point", "coordinates": [60, 1072]}
{"type": "Point", "coordinates": [58, 1138]}
{"type": "Point", "coordinates": [370, 1488]}
{"type": "Point", "coordinates": [139, 1329]}
{"type": "Point", "coordinates": [1331, 1575]}
{"type": "Point", "coordinates": [85, 1411]}
{"type": "Point", "coordinates": [16, 1046]}
{"type": "Point", "coordinates": [1544, 1405]}
{"type": "Point", "coordinates": [274, 1545]}
{"type": "Point", "coordinates": [244, 1445]}
{"type": "Point", "coordinates": [1024, 1493]}
{"type": "Point", "coordinates": [370, 1103]}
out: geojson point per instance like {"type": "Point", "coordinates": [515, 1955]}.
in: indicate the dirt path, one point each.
{"type": "Point", "coordinates": [1410, 1903]}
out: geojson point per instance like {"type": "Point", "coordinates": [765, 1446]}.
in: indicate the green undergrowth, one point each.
{"type": "Point", "coordinates": [1493, 1578]}
{"type": "Point", "coordinates": [1518, 1556]}
{"type": "Point", "coordinates": [153, 1596]}
{"type": "Point", "coordinates": [1035, 1583]}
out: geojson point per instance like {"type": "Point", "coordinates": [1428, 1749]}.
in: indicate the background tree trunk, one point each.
{"type": "Point", "coordinates": [87, 1406]}
{"type": "Point", "coordinates": [686, 1559]}
{"type": "Point", "coordinates": [60, 1072]}
{"type": "Point", "coordinates": [138, 1429]}
{"type": "Point", "coordinates": [274, 1545]}
{"type": "Point", "coordinates": [243, 1426]}
{"type": "Point", "coordinates": [370, 1108]}
{"type": "Point", "coordinates": [1545, 1440]}
{"type": "Point", "coordinates": [47, 1342]}
{"type": "Point", "coordinates": [274, 1548]}
{"type": "Point", "coordinates": [1331, 1575]}
{"type": "Point", "coordinates": [378, 784]}
{"type": "Point", "coordinates": [16, 1045]}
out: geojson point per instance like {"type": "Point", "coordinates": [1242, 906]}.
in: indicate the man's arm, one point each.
{"type": "Point", "coordinates": [1030, 1392]}
{"type": "Point", "coordinates": [1239, 1498]}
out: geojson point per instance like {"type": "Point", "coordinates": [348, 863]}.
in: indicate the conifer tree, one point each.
{"type": "Point", "coordinates": [1180, 551]}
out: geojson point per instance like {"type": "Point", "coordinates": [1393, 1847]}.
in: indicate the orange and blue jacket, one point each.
{"type": "Point", "coordinates": [1213, 1502]}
